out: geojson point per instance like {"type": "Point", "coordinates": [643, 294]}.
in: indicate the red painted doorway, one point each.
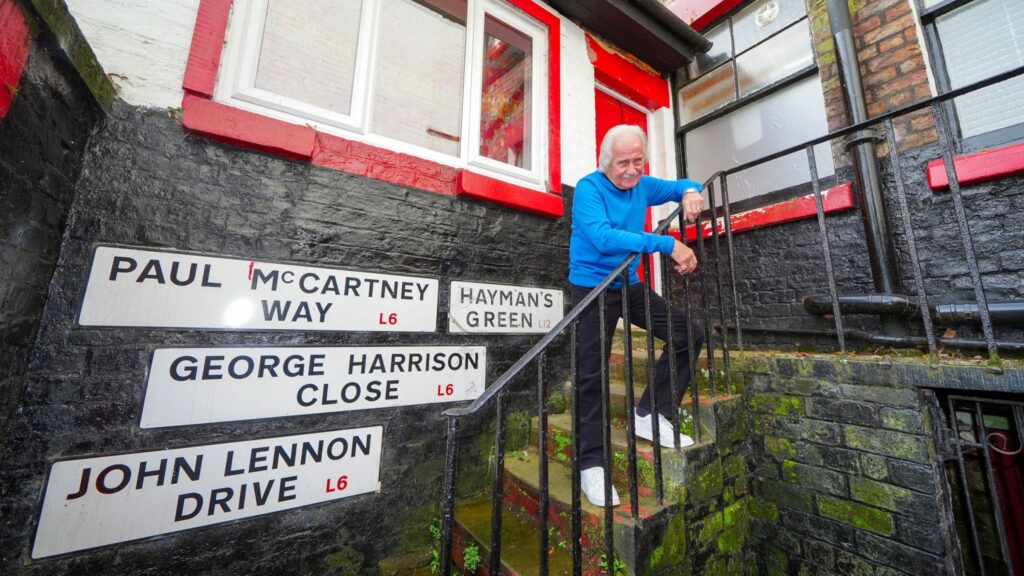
{"type": "Point", "coordinates": [612, 111]}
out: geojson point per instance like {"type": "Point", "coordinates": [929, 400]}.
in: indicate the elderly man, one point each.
{"type": "Point", "coordinates": [608, 214]}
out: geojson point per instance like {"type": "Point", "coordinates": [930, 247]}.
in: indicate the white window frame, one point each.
{"type": "Point", "coordinates": [236, 87]}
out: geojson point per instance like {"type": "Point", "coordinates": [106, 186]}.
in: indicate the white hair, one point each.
{"type": "Point", "coordinates": [612, 136]}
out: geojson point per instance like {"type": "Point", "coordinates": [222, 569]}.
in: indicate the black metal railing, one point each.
{"type": "Point", "coordinates": [497, 395]}
{"type": "Point", "coordinates": [987, 468]}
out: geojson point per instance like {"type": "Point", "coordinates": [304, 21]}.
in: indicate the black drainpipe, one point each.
{"type": "Point", "coordinates": [880, 250]}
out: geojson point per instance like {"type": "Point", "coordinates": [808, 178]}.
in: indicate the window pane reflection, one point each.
{"type": "Point", "coordinates": [505, 114]}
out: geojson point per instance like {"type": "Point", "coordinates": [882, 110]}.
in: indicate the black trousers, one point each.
{"type": "Point", "coordinates": [588, 376]}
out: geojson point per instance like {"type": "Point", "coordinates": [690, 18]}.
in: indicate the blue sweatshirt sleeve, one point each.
{"type": "Point", "coordinates": [590, 214]}
{"type": "Point", "coordinates": [661, 191]}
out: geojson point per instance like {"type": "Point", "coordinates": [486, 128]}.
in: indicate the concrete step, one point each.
{"type": "Point", "coordinates": [522, 498]}
{"type": "Point", "coordinates": [559, 447]}
{"type": "Point", "coordinates": [520, 543]}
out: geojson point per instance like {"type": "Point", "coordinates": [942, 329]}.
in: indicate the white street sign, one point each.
{"type": "Point", "coordinates": [501, 309]}
{"type": "Point", "coordinates": [150, 289]}
{"type": "Point", "coordinates": [200, 385]}
{"type": "Point", "coordinates": [99, 501]}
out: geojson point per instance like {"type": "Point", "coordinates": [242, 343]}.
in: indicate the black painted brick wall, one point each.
{"type": "Point", "coordinates": [42, 141]}
{"type": "Point", "coordinates": [146, 183]}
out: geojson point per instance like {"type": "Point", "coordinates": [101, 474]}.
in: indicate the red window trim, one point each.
{"type": "Point", "coordinates": [15, 41]}
{"type": "Point", "coordinates": [979, 167]}
{"type": "Point", "coordinates": [251, 130]}
{"type": "Point", "coordinates": [836, 199]}
{"type": "Point", "coordinates": [641, 86]}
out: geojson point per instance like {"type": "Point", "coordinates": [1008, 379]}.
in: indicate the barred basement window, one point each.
{"type": "Point", "coordinates": [970, 40]}
{"type": "Point", "coordinates": [463, 83]}
{"type": "Point", "coordinates": [755, 92]}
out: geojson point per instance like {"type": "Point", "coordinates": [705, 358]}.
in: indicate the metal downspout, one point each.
{"type": "Point", "coordinates": [880, 249]}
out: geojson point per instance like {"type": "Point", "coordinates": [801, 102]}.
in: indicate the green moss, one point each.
{"type": "Point", "coordinates": [711, 528]}
{"type": "Point", "coordinates": [671, 552]}
{"type": "Point", "coordinates": [778, 563]}
{"type": "Point", "coordinates": [780, 448]}
{"type": "Point", "coordinates": [345, 560]}
{"type": "Point", "coordinates": [763, 510]}
{"type": "Point", "coordinates": [895, 444]}
{"type": "Point", "coordinates": [557, 402]}
{"type": "Point", "coordinates": [708, 482]}
{"type": "Point", "coordinates": [789, 471]}
{"type": "Point", "coordinates": [735, 465]}
{"type": "Point", "coordinates": [63, 26]}
{"type": "Point", "coordinates": [411, 526]}
{"type": "Point", "coordinates": [857, 515]}
{"type": "Point", "coordinates": [778, 405]}
{"type": "Point", "coordinates": [517, 430]}
{"type": "Point", "coordinates": [881, 495]}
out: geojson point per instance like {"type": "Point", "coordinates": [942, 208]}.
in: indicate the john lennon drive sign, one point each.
{"type": "Point", "coordinates": [152, 289]}
{"type": "Point", "coordinates": [93, 502]}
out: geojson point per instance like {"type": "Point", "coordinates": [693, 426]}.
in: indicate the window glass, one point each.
{"type": "Point", "coordinates": [707, 94]}
{"type": "Point", "coordinates": [764, 18]}
{"type": "Point", "coordinates": [790, 116]}
{"type": "Point", "coordinates": [783, 55]}
{"type": "Point", "coordinates": [505, 115]}
{"type": "Point", "coordinates": [981, 39]}
{"type": "Point", "coordinates": [721, 50]}
{"type": "Point", "coordinates": [419, 74]}
{"type": "Point", "coordinates": [322, 35]}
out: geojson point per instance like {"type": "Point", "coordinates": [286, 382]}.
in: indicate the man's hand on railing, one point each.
{"type": "Point", "coordinates": [693, 202]}
{"type": "Point", "coordinates": [684, 258]}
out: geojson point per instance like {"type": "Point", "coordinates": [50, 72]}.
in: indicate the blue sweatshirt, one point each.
{"type": "Point", "coordinates": [608, 225]}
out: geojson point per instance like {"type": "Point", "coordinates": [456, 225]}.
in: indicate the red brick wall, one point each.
{"type": "Point", "coordinates": [891, 64]}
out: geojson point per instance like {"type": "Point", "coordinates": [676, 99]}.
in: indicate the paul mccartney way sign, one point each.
{"type": "Point", "coordinates": [150, 289]}
{"type": "Point", "coordinates": [200, 385]}
{"type": "Point", "coordinates": [98, 501]}
{"type": "Point", "coordinates": [500, 309]}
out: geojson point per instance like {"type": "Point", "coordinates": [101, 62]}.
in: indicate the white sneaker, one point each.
{"type": "Point", "coordinates": [644, 430]}
{"type": "Point", "coordinates": [592, 483]}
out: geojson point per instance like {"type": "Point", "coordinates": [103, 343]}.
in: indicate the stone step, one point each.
{"type": "Point", "coordinates": [520, 544]}
{"type": "Point", "coordinates": [522, 498]}
{"type": "Point", "coordinates": [559, 447]}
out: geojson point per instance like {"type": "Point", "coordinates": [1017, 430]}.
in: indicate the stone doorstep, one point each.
{"type": "Point", "coordinates": [522, 498]}
{"type": "Point", "coordinates": [560, 426]}
{"type": "Point", "coordinates": [519, 543]}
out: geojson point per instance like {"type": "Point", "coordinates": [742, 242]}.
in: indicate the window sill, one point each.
{"type": "Point", "coordinates": [837, 199]}
{"type": "Point", "coordinates": [979, 167]}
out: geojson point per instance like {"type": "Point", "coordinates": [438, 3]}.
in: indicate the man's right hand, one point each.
{"type": "Point", "coordinates": [684, 258]}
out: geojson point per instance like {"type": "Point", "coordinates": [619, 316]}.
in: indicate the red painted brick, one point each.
{"type": "Point", "coordinates": [246, 129]}
{"type": "Point", "coordinates": [207, 42]}
{"type": "Point", "coordinates": [980, 167]}
{"type": "Point", "coordinates": [15, 40]}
